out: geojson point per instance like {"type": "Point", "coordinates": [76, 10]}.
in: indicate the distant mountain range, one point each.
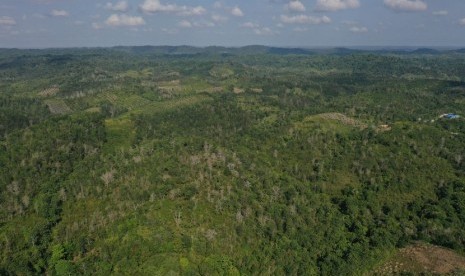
{"type": "Point", "coordinates": [260, 49]}
{"type": "Point", "coordinates": [248, 50]}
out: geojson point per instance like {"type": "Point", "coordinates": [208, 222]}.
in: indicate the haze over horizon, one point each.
{"type": "Point", "coordinates": [295, 23]}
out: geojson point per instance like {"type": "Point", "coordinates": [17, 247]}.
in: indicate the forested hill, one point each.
{"type": "Point", "coordinates": [231, 161]}
{"type": "Point", "coordinates": [220, 50]}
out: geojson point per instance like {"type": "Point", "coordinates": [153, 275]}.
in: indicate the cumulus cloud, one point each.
{"type": "Point", "coordinates": [263, 31]}
{"type": "Point", "coordinates": [462, 22]}
{"type": "Point", "coordinates": [236, 11]}
{"type": "Point", "coordinates": [59, 13]}
{"type": "Point", "coordinates": [199, 10]}
{"type": "Point", "coordinates": [406, 5]}
{"type": "Point", "coordinates": [197, 24]}
{"type": "Point", "coordinates": [124, 20]}
{"type": "Point", "coordinates": [185, 24]}
{"type": "Point", "coordinates": [154, 6]}
{"type": "Point", "coordinates": [7, 21]}
{"type": "Point", "coordinates": [441, 13]}
{"type": "Point", "coordinates": [336, 5]}
{"type": "Point", "coordinates": [257, 29]}
{"type": "Point", "coordinates": [356, 29]}
{"type": "Point", "coordinates": [305, 19]}
{"type": "Point", "coordinates": [295, 6]}
{"type": "Point", "coordinates": [121, 6]}
{"type": "Point", "coordinates": [219, 18]}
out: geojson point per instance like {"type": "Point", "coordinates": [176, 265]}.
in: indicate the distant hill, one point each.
{"type": "Point", "coordinates": [461, 51]}
{"type": "Point", "coordinates": [426, 51]}
{"type": "Point", "coordinates": [190, 50]}
{"type": "Point", "coordinates": [225, 51]}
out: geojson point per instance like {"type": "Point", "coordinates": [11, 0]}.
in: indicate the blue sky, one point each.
{"type": "Point", "coordinates": [304, 23]}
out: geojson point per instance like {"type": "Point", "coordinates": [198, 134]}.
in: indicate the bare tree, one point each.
{"type": "Point", "coordinates": [177, 218]}
{"type": "Point", "coordinates": [210, 234]}
{"type": "Point", "coordinates": [239, 216]}
{"type": "Point", "coordinates": [108, 177]}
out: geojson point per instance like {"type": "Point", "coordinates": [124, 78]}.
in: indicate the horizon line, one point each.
{"type": "Point", "coordinates": [322, 47]}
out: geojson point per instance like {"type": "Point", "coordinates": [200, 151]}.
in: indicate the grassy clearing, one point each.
{"type": "Point", "coordinates": [120, 133]}
{"type": "Point", "coordinates": [334, 122]}
{"type": "Point", "coordinates": [130, 102]}
{"type": "Point", "coordinates": [93, 110]}
{"type": "Point", "coordinates": [422, 259]}
{"type": "Point", "coordinates": [345, 120]}
{"type": "Point", "coordinates": [133, 102]}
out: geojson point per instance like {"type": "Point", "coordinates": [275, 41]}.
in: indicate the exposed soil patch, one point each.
{"type": "Point", "coordinates": [423, 259]}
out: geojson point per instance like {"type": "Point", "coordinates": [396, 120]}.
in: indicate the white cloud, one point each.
{"type": "Point", "coordinates": [257, 29]}
{"type": "Point", "coordinates": [356, 29]}
{"type": "Point", "coordinates": [59, 13]}
{"type": "Point", "coordinates": [154, 6]}
{"type": "Point", "coordinates": [295, 6]}
{"type": "Point", "coordinates": [335, 5]}
{"type": "Point", "coordinates": [199, 10]}
{"type": "Point", "coordinates": [185, 24]}
{"type": "Point", "coordinates": [441, 13]}
{"type": "Point", "coordinates": [263, 31]}
{"type": "Point", "coordinates": [236, 11]}
{"type": "Point", "coordinates": [202, 24]}
{"type": "Point", "coordinates": [462, 22]}
{"type": "Point", "coordinates": [7, 21]}
{"type": "Point", "coordinates": [121, 6]}
{"type": "Point", "coordinates": [219, 18]}
{"type": "Point", "coordinates": [406, 5]}
{"type": "Point", "coordinates": [305, 19]}
{"type": "Point", "coordinates": [117, 20]}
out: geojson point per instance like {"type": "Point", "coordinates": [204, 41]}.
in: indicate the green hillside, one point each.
{"type": "Point", "coordinates": [217, 161]}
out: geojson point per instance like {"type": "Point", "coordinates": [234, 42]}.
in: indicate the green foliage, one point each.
{"type": "Point", "coordinates": [319, 164]}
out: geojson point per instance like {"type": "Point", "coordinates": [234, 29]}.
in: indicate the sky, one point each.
{"type": "Point", "coordinates": [287, 23]}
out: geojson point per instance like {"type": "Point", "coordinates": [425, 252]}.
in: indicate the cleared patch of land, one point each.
{"type": "Point", "coordinates": [48, 92]}
{"type": "Point", "coordinates": [421, 259]}
{"type": "Point", "coordinates": [343, 119]}
{"type": "Point", "coordinates": [57, 106]}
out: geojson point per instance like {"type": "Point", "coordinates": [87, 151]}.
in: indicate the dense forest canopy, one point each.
{"type": "Point", "coordinates": [227, 161]}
